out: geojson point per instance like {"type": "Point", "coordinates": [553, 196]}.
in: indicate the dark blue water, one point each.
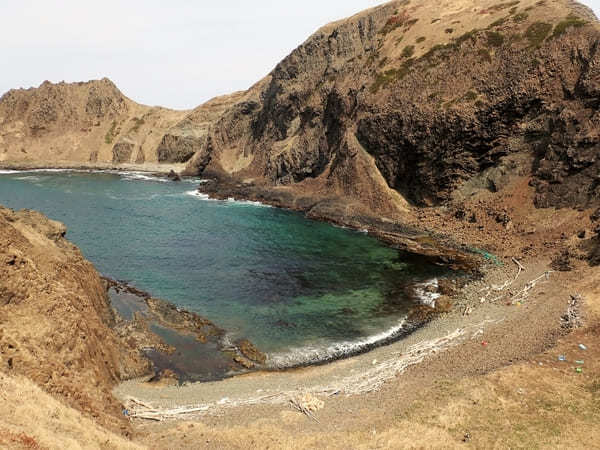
{"type": "Point", "coordinates": [290, 285]}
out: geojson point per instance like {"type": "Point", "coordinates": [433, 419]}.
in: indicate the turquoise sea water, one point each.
{"type": "Point", "coordinates": [300, 290]}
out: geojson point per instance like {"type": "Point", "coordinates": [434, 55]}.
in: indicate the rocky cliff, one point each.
{"type": "Point", "coordinates": [407, 105]}
{"type": "Point", "coordinates": [55, 319]}
{"type": "Point", "coordinates": [82, 124]}
{"type": "Point", "coordinates": [415, 103]}
{"type": "Point", "coordinates": [411, 102]}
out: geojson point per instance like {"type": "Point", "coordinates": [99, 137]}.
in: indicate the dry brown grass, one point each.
{"type": "Point", "coordinates": [522, 406]}
{"type": "Point", "coordinates": [33, 419]}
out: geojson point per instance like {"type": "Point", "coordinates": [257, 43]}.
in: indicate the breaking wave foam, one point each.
{"type": "Point", "coordinates": [139, 176]}
{"type": "Point", "coordinates": [428, 292]}
{"type": "Point", "coordinates": [200, 195]}
{"type": "Point", "coordinates": [127, 175]}
{"type": "Point", "coordinates": [314, 355]}
{"type": "Point", "coordinates": [232, 200]}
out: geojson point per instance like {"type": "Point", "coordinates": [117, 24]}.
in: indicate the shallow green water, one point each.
{"type": "Point", "coordinates": [299, 289]}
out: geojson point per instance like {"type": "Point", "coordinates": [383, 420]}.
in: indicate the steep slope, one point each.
{"type": "Point", "coordinates": [33, 419]}
{"type": "Point", "coordinates": [79, 123]}
{"type": "Point", "coordinates": [406, 102]}
{"type": "Point", "coordinates": [55, 319]}
{"type": "Point", "coordinates": [411, 102]}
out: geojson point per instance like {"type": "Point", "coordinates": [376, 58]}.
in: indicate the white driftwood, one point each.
{"type": "Point", "coordinates": [368, 380]}
{"type": "Point", "coordinates": [522, 294]}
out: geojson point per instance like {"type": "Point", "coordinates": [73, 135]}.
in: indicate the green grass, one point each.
{"type": "Point", "coordinates": [521, 17]}
{"type": "Point", "coordinates": [111, 133]}
{"type": "Point", "coordinates": [383, 79]}
{"type": "Point", "coordinates": [408, 51]}
{"type": "Point", "coordinates": [465, 37]}
{"type": "Point", "coordinates": [470, 96]}
{"type": "Point", "coordinates": [441, 50]}
{"type": "Point", "coordinates": [438, 48]}
{"type": "Point", "coordinates": [499, 22]}
{"type": "Point", "coordinates": [537, 32]}
{"type": "Point", "coordinates": [515, 38]}
{"type": "Point", "coordinates": [404, 68]}
{"type": "Point", "coordinates": [570, 21]}
{"type": "Point", "coordinates": [138, 122]}
{"type": "Point", "coordinates": [494, 38]}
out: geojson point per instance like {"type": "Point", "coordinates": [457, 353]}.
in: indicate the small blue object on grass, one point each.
{"type": "Point", "coordinates": [562, 358]}
{"type": "Point", "coordinates": [125, 412]}
{"type": "Point", "coordinates": [582, 347]}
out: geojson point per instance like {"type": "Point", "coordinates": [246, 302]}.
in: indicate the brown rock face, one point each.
{"type": "Point", "coordinates": [55, 318]}
{"type": "Point", "coordinates": [79, 123]}
{"type": "Point", "coordinates": [425, 109]}
{"type": "Point", "coordinates": [122, 151]}
{"type": "Point", "coordinates": [404, 102]}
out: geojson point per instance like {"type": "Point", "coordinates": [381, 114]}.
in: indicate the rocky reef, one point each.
{"type": "Point", "coordinates": [180, 345]}
{"type": "Point", "coordinates": [62, 327]}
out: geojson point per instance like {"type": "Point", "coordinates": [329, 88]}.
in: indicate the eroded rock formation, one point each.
{"type": "Point", "coordinates": [404, 103]}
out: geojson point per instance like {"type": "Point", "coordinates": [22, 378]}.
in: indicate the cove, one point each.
{"type": "Point", "coordinates": [302, 291]}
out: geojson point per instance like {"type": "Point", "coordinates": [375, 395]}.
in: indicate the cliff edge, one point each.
{"type": "Point", "coordinates": [55, 320]}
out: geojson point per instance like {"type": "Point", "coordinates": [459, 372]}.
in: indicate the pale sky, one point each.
{"type": "Point", "coordinates": [176, 53]}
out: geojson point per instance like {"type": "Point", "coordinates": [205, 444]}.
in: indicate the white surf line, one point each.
{"type": "Point", "coordinates": [428, 292]}
{"type": "Point", "coordinates": [368, 381]}
{"type": "Point", "coordinates": [139, 176]}
{"type": "Point", "coordinates": [231, 200]}
{"type": "Point", "coordinates": [134, 174]}
{"type": "Point", "coordinates": [308, 355]}
{"type": "Point", "coordinates": [201, 196]}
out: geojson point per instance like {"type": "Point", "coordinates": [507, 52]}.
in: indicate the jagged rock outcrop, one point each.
{"type": "Point", "coordinates": [407, 102]}
{"type": "Point", "coordinates": [427, 100]}
{"type": "Point", "coordinates": [79, 123]}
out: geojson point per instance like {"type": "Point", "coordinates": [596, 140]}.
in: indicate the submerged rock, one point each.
{"type": "Point", "coordinates": [173, 176]}
{"type": "Point", "coordinates": [250, 351]}
{"type": "Point", "coordinates": [181, 345]}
